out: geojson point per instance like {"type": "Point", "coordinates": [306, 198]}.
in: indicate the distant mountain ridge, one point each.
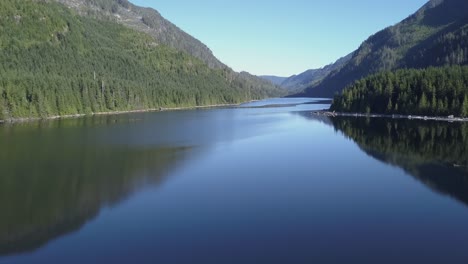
{"type": "Point", "coordinates": [436, 35]}
{"type": "Point", "coordinates": [277, 80]}
{"type": "Point", "coordinates": [297, 83]}
{"type": "Point", "coordinates": [311, 77]}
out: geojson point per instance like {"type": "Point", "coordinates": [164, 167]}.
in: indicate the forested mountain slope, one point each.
{"type": "Point", "coordinates": [150, 21]}
{"type": "Point", "coordinates": [440, 91]}
{"type": "Point", "coordinates": [56, 62]}
{"type": "Point", "coordinates": [436, 35]}
{"type": "Point", "coordinates": [145, 20]}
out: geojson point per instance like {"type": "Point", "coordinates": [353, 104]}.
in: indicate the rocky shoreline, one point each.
{"type": "Point", "coordinates": [394, 116]}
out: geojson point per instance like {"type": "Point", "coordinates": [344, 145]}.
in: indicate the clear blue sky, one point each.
{"type": "Point", "coordinates": [282, 37]}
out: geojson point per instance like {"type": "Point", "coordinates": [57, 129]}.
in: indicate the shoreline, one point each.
{"type": "Point", "coordinates": [450, 119]}
{"type": "Point", "coordinates": [161, 109]}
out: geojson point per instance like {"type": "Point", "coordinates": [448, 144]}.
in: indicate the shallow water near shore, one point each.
{"type": "Point", "coordinates": [265, 183]}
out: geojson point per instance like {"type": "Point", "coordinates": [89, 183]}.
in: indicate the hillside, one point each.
{"type": "Point", "coordinates": [310, 77]}
{"type": "Point", "coordinates": [274, 79]}
{"type": "Point", "coordinates": [150, 21]}
{"type": "Point", "coordinates": [436, 35]}
{"type": "Point", "coordinates": [440, 91]}
{"type": "Point", "coordinates": [56, 62]}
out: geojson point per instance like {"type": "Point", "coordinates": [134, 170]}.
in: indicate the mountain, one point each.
{"type": "Point", "coordinates": [150, 21]}
{"type": "Point", "coordinates": [311, 77]}
{"type": "Point", "coordinates": [69, 57]}
{"type": "Point", "coordinates": [146, 20]}
{"type": "Point", "coordinates": [436, 35]}
{"type": "Point", "coordinates": [274, 79]}
{"type": "Point", "coordinates": [297, 83]}
{"type": "Point", "coordinates": [433, 91]}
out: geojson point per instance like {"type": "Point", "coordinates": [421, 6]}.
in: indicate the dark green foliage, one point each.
{"type": "Point", "coordinates": [432, 91]}
{"type": "Point", "coordinates": [436, 35]}
{"type": "Point", "coordinates": [168, 34]}
{"type": "Point", "coordinates": [53, 62]}
{"type": "Point", "coordinates": [450, 47]}
{"type": "Point", "coordinates": [148, 21]}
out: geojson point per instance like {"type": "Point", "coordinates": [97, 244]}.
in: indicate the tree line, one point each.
{"type": "Point", "coordinates": [54, 62]}
{"type": "Point", "coordinates": [432, 91]}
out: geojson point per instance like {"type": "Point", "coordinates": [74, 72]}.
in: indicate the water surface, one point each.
{"type": "Point", "coordinates": [257, 184]}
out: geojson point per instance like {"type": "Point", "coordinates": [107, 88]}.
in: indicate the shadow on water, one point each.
{"type": "Point", "coordinates": [52, 182]}
{"type": "Point", "coordinates": [55, 176]}
{"type": "Point", "coordinates": [435, 153]}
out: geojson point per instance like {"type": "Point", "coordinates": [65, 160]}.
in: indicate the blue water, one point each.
{"type": "Point", "coordinates": [241, 185]}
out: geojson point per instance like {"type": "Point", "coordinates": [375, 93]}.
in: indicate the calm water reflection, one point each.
{"type": "Point", "coordinates": [253, 185]}
{"type": "Point", "coordinates": [435, 153]}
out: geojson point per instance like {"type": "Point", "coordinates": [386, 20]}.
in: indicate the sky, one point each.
{"type": "Point", "coordinates": [278, 37]}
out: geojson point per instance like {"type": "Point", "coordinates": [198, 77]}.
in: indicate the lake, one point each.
{"type": "Point", "coordinates": [267, 182]}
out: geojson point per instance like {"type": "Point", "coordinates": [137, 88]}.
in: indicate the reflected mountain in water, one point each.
{"type": "Point", "coordinates": [57, 188]}
{"type": "Point", "coordinates": [435, 153]}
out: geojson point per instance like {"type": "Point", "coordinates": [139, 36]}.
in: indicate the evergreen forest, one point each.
{"type": "Point", "coordinates": [56, 62]}
{"type": "Point", "coordinates": [433, 91]}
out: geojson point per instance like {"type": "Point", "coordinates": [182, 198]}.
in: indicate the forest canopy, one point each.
{"type": "Point", "coordinates": [432, 91]}
{"type": "Point", "coordinates": [54, 62]}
